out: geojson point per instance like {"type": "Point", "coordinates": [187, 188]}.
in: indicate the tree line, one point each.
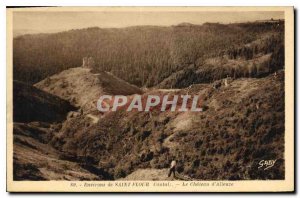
{"type": "Point", "coordinates": [141, 55]}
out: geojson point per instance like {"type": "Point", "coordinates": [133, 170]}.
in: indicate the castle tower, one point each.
{"type": "Point", "coordinates": [88, 62]}
{"type": "Point", "coordinates": [85, 62]}
{"type": "Point", "coordinates": [91, 62]}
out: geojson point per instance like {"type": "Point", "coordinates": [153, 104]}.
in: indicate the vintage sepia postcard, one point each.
{"type": "Point", "coordinates": [150, 99]}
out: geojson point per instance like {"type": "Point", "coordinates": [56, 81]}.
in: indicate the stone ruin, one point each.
{"type": "Point", "coordinates": [88, 62]}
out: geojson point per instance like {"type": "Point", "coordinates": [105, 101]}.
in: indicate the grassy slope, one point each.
{"type": "Point", "coordinates": [242, 125]}
{"type": "Point", "coordinates": [32, 104]}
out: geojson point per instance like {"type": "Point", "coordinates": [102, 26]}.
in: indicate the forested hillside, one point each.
{"type": "Point", "coordinates": [146, 55]}
{"type": "Point", "coordinates": [237, 70]}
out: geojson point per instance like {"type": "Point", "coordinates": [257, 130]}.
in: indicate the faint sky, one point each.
{"type": "Point", "coordinates": [45, 21]}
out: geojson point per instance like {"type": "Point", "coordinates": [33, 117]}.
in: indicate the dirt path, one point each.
{"type": "Point", "coordinates": [167, 143]}
{"type": "Point", "coordinates": [151, 174]}
{"type": "Point", "coordinates": [168, 90]}
{"type": "Point", "coordinates": [94, 118]}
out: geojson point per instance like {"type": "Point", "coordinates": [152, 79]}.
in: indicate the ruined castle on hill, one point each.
{"type": "Point", "coordinates": [88, 62]}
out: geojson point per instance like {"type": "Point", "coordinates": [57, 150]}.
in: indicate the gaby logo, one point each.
{"type": "Point", "coordinates": [150, 103]}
